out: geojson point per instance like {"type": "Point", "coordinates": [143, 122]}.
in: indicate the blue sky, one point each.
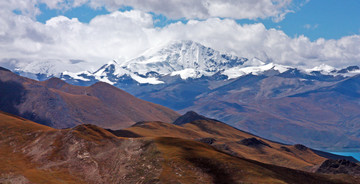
{"type": "Point", "coordinates": [85, 14]}
{"type": "Point", "coordinates": [329, 19]}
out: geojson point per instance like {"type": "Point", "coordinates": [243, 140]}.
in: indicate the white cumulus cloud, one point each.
{"type": "Point", "coordinates": [124, 35]}
{"type": "Point", "coordinates": [198, 9]}
{"type": "Point", "coordinates": [203, 9]}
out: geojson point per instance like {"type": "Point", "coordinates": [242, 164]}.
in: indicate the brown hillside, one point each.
{"type": "Point", "coordinates": [232, 141]}
{"type": "Point", "coordinates": [61, 105]}
{"type": "Point", "coordinates": [32, 153]}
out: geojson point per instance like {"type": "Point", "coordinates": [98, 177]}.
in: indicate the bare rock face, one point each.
{"type": "Point", "coordinates": [189, 117]}
{"type": "Point", "coordinates": [253, 142]}
{"type": "Point", "coordinates": [300, 147]}
{"type": "Point", "coordinates": [207, 140]}
{"type": "Point", "coordinates": [341, 166]}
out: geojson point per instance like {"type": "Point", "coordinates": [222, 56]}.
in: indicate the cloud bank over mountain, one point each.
{"type": "Point", "coordinates": [124, 35]}
{"type": "Point", "coordinates": [203, 9]}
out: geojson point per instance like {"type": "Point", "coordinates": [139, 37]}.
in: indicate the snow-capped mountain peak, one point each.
{"type": "Point", "coordinates": [111, 67]}
{"type": "Point", "coordinates": [186, 59]}
{"type": "Point", "coordinates": [181, 56]}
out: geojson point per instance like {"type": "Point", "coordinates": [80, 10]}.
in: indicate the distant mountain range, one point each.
{"type": "Point", "coordinates": [177, 59]}
{"type": "Point", "coordinates": [318, 107]}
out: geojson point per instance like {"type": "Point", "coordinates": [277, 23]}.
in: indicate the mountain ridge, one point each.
{"type": "Point", "coordinates": [55, 103]}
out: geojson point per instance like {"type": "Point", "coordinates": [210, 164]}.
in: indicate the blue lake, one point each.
{"type": "Point", "coordinates": [356, 155]}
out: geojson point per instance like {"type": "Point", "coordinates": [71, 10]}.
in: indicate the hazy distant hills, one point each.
{"type": "Point", "coordinates": [315, 113]}
{"type": "Point", "coordinates": [33, 153]}
{"type": "Point", "coordinates": [57, 104]}
{"type": "Point", "coordinates": [318, 107]}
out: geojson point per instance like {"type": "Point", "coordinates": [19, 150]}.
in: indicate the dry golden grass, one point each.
{"type": "Point", "coordinates": [229, 136]}
{"type": "Point", "coordinates": [16, 164]}
{"type": "Point", "coordinates": [160, 129]}
{"type": "Point", "coordinates": [16, 132]}
{"type": "Point", "coordinates": [189, 161]}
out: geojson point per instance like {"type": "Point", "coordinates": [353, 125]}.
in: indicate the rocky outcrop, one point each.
{"type": "Point", "coordinates": [341, 166]}
{"type": "Point", "coordinates": [253, 142]}
{"type": "Point", "coordinates": [189, 117]}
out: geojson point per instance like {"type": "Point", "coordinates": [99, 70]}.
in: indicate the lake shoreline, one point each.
{"type": "Point", "coordinates": [354, 154]}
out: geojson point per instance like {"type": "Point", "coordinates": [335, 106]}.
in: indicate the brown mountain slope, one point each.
{"type": "Point", "coordinates": [61, 105]}
{"type": "Point", "coordinates": [15, 167]}
{"type": "Point", "coordinates": [84, 154]}
{"type": "Point", "coordinates": [32, 153]}
{"type": "Point", "coordinates": [232, 141]}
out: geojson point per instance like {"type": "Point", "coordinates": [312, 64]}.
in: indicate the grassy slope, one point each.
{"type": "Point", "coordinates": [278, 154]}
{"type": "Point", "coordinates": [189, 161]}
{"type": "Point", "coordinates": [183, 161]}
{"type": "Point", "coordinates": [18, 131]}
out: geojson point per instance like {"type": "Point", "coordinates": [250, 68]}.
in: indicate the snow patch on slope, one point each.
{"type": "Point", "coordinates": [112, 68]}
{"type": "Point", "coordinates": [255, 70]}
{"type": "Point", "coordinates": [323, 68]}
{"type": "Point", "coordinates": [186, 73]}
{"type": "Point", "coordinates": [150, 80]}
{"type": "Point", "coordinates": [329, 70]}
{"type": "Point", "coordinates": [47, 68]}
{"type": "Point", "coordinates": [77, 76]}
